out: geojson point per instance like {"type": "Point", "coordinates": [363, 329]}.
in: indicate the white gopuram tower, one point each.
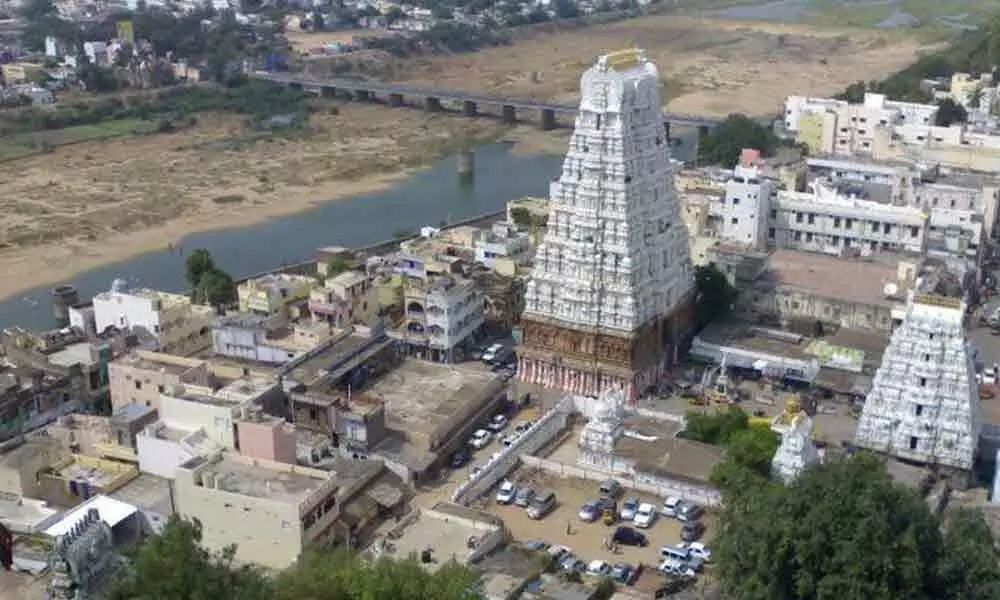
{"type": "Point", "coordinates": [796, 452]}
{"type": "Point", "coordinates": [609, 298]}
{"type": "Point", "coordinates": [924, 404]}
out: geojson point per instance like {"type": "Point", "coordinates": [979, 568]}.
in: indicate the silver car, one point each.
{"type": "Point", "coordinates": [524, 496]}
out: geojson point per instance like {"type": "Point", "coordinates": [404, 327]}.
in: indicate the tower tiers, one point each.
{"type": "Point", "coordinates": [924, 404]}
{"type": "Point", "coordinates": [613, 270]}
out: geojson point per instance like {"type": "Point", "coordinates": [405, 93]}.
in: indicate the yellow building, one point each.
{"type": "Point", "coordinates": [357, 289]}
{"type": "Point", "coordinates": [274, 294]}
{"type": "Point", "coordinates": [14, 73]}
{"type": "Point", "coordinates": [179, 326]}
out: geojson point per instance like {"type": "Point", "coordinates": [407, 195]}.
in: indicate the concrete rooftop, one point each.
{"type": "Point", "coordinates": [825, 276]}
{"type": "Point", "coordinates": [261, 481]}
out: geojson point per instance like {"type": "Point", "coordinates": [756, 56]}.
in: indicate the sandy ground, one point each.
{"type": "Point", "coordinates": [21, 586]}
{"type": "Point", "coordinates": [114, 199]}
{"type": "Point", "coordinates": [711, 66]}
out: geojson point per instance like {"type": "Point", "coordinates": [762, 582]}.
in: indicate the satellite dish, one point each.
{"type": "Point", "coordinates": [890, 289]}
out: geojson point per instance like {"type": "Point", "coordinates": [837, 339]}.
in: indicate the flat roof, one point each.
{"type": "Point", "coordinates": [112, 512]}
{"type": "Point", "coordinates": [826, 276]}
{"type": "Point", "coordinates": [654, 446]}
{"type": "Point", "coordinates": [333, 356]}
{"type": "Point", "coordinates": [148, 493]}
{"type": "Point", "coordinates": [33, 446]}
{"type": "Point", "coordinates": [150, 363]}
{"type": "Point", "coordinates": [73, 354]}
{"type": "Point", "coordinates": [444, 531]}
{"type": "Point", "coordinates": [263, 481]}
{"type": "Point", "coordinates": [24, 515]}
{"type": "Point", "coordinates": [756, 339]}
{"type": "Point", "coordinates": [420, 396]}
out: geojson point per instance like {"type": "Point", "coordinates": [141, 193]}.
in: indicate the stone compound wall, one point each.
{"type": "Point", "coordinates": [540, 434]}
{"type": "Point", "coordinates": [661, 487]}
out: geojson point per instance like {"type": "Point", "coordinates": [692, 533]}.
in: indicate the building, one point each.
{"type": "Point", "coordinates": [290, 507]}
{"type": "Point", "coordinates": [275, 293]}
{"type": "Point", "coordinates": [807, 287]}
{"type": "Point", "coordinates": [22, 458]}
{"type": "Point", "coordinates": [178, 326]}
{"type": "Point", "coordinates": [140, 377]}
{"type": "Point", "coordinates": [796, 452]}
{"type": "Point", "coordinates": [268, 340]}
{"type": "Point", "coordinates": [441, 316]}
{"type": "Point", "coordinates": [502, 248]}
{"type": "Point", "coordinates": [924, 403]}
{"type": "Point", "coordinates": [606, 302]}
{"type": "Point", "coordinates": [84, 560]}
{"type": "Point", "coordinates": [746, 203]}
{"type": "Point", "coordinates": [528, 213]}
{"type": "Point", "coordinates": [357, 289]}
{"type": "Point", "coordinates": [503, 298]}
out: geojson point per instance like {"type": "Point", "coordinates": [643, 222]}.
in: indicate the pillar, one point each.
{"type": "Point", "coordinates": [666, 130]}
{"type": "Point", "coordinates": [295, 85]}
{"type": "Point", "coordinates": [328, 91]}
{"type": "Point", "coordinates": [395, 99]}
{"type": "Point", "coordinates": [432, 104]}
{"type": "Point", "coordinates": [466, 162]}
{"type": "Point", "coordinates": [548, 119]}
{"type": "Point", "coordinates": [362, 95]}
{"type": "Point", "coordinates": [469, 108]}
{"type": "Point", "coordinates": [509, 114]}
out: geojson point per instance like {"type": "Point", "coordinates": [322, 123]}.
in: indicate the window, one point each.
{"type": "Point", "coordinates": [836, 221]}
{"type": "Point", "coordinates": [735, 221]}
{"type": "Point", "coordinates": [886, 228]}
{"type": "Point", "coordinates": [812, 219]}
{"type": "Point", "coordinates": [798, 236]}
{"type": "Point", "coordinates": [913, 443]}
{"type": "Point", "coordinates": [736, 201]}
{"type": "Point", "coordinates": [919, 410]}
{"type": "Point", "coordinates": [770, 233]}
{"type": "Point", "coordinates": [848, 223]}
{"type": "Point", "coordinates": [138, 384]}
{"type": "Point", "coordinates": [923, 382]}
{"type": "Point", "coordinates": [774, 213]}
{"type": "Point", "coordinates": [914, 232]}
{"type": "Point", "coordinates": [809, 236]}
{"type": "Point", "coordinates": [798, 217]}
{"type": "Point", "coordinates": [927, 358]}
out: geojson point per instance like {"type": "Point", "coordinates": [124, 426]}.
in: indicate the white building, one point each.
{"type": "Point", "coordinates": [615, 255]}
{"type": "Point", "coordinates": [441, 315]}
{"type": "Point", "coordinates": [500, 244]}
{"type": "Point", "coordinates": [924, 404]}
{"type": "Point", "coordinates": [749, 196]}
{"type": "Point", "coordinates": [179, 326]}
{"type": "Point", "coordinates": [796, 452]}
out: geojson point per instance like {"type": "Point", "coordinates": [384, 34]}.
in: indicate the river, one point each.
{"type": "Point", "coordinates": [428, 197]}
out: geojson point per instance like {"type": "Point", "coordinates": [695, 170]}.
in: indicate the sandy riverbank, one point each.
{"type": "Point", "coordinates": [112, 200]}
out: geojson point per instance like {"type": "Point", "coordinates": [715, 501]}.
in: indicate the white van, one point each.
{"type": "Point", "coordinates": [668, 552]}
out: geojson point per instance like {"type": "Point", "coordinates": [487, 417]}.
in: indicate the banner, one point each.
{"type": "Point", "coordinates": [126, 33]}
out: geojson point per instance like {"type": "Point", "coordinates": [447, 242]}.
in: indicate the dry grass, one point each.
{"type": "Point", "coordinates": [710, 66]}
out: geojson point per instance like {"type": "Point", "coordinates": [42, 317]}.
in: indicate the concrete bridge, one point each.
{"type": "Point", "coordinates": [432, 99]}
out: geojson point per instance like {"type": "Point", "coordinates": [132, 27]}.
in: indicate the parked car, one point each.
{"type": "Point", "coordinates": [506, 493]}
{"type": "Point", "coordinates": [610, 488]}
{"type": "Point", "coordinates": [627, 513]}
{"type": "Point", "coordinates": [624, 573]}
{"type": "Point", "coordinates": [459, 459]}
{"type": "Point", "coordinates": [692, 531]}
{"type": "Point", "coordinates": [989, 376]}
{"type": "Point", "coordinates": [497, 423]}
{"type": "Point", "coordinates": [510, 438]}
{"type": "Point", "coordinates": [535, 545]}
{"type": "Point", "coordinates": [688, 511]}
{"type": "Point", "coordinates": [670, 506]}
{"type": "Point", "coordinates": [570, 562]}
{"type": "Point", "coordinates": [672, 566]}
{"type": "Point", "coordinates": [589, 511]}
{"type": "Point", "coordinates": [524, 496]}
{"type": "Point", "coordinates": [627, 536]}
{"type": "Point", "coordinates": [480, 439]}
{"type": "Point", "coordinates": [645, 516]}
{"type": "Point", "coordinates": [698, 549]}
{"type": "Point", "coordinates": [523, 426]}
{"type": "Point", "coordinates": [696, 563]}
{"type": "Point", "coordinates": [542, 504]}
{"type": "Point", "coordinates": [491, 353]}
{"type": "Point", "coordinates": [599, 568]}
{"type": "Point", "coordinates": [558, 551]}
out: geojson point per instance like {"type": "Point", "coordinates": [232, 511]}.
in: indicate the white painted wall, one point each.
{"type": "Point", "coordinates": [159, 457]}
{"type": "Point", "coordinates": [217, 421]}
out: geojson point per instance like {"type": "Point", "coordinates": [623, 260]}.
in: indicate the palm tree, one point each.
{"type": "Point", "coordinates": [975, 97]}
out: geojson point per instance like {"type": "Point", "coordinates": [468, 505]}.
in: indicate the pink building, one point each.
{"type": "Point", "coordinates": [266, 437]}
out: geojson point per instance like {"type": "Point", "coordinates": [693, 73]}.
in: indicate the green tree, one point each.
{"type": "Point", "coordinates": [342, 575]}
{"type": "Point", "coordinates": [723, 144]}
{"type": "Point", "coordinates": [854, 93]}
{"type": "Point", "coordinates": [216, 288]}
{"type": "Point", "coordinates": [716, 427]}
{"type": "Point", "coordinates": [174, 566]}
{"type": "Point", "coordinates": [394, 14]}
{"type": "Point", "coordinates": [950, 112]}
{"type": "Point", "coordinates": [715, 294]}
{"type": "Point", "coordinates": [845, 530]}
{"type": "Point", "coordinates": [337, 266]}
{"type": "Point", "coordinates": [566, 9]}
{"type": "Point", "coordinates": [198, 263]}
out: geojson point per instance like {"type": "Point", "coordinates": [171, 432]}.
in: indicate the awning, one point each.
{"type": "Point", "coordinates": [112, 512]}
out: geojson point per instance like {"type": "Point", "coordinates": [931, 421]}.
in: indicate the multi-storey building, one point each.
{"type": "Point", "coordinates": [357, 290]}
{"type": "Point", "coordinates": [273, 294]}
{"type": "Point", "coordinates": [502, 248]}
{"type": "Point", "coordinates": [441, 314]}
{"type": "Point", "coordinates": [605, 306]}
{"type": "Point", "coordinates": [924, 403]}
{"type": "Point", "coordinates": [178, 326]}
{"type": "Point", "coordinates": [746, 202]}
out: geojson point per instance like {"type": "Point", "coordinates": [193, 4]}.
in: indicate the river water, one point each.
{"type": "Point", "coordinates": [428, 197]}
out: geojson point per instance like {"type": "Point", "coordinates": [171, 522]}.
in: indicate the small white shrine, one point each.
{"type": "Point", "coordinates": [796, 452]}
{"type": "Point", "coordinates": [605, 426]}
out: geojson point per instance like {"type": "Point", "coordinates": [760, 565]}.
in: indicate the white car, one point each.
{"type": "Point", "coordinates": [599, 568]}
{"type": "Point", "coordinates": [492, 352]}
{"type": "Point", "coordinates": [672, 566]}
{"type": "Point", "coordinates": [497, 423]}
{"type": "Point", "coordinates": [645, 516]}
{"type": "Point", "coordinates": [698, 550]}
{"type": "Point", "coordinates": [480, 439]}
{"type": "Point", "coordinates": [989, 376]}
{"type": "Point", "coordinates": [670, 506]}
{"type": "Point", "coordinates": [506, 493]}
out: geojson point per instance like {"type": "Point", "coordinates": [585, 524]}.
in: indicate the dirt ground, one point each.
{"type": "Point", "coordinates": [112, 199]}
{"type": "Point", "coordinates": [710, 66]}
{"type": "Point", "coordinates": [21, 586]}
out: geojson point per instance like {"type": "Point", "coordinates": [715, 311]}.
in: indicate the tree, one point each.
{"type": "Point", "coordinates": [318, 24]}
{"type": "Point", "coordinates": [846, 530]}
{"type": "Point", "coordinates": [394, 14]}
{"type": "Point", "coordinates": [216, 288]}
{"type": "Point", "coordinates": [342, 575]}
{"type": "Point", "coordinates": [337, 266]}
{"type": "Point", "coordinates": [854, 93]}
{"type": "Point", "coordinates": [715, 294]}
{"type": "Point", "coordinates": [715, 427]}
{"type": "Point", "coordinates": [566, 9]}
{"type": "Point", "coordinates": [723, 144]}
{"type": "Point", "coordinates": [174, 566]}
{"type": "Point", "coordinates": [198, 263]}
{"type": "Point", "coordinates": [950, 112]}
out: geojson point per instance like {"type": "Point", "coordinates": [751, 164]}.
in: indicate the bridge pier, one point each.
{"type": "Point", "coordinates": [395, 100]}
{"type": "Point", "coordinates": [362, 95]}
{"type": "Point", "coordinates": [548, 119]}
{"type": "Point", "coordinates": [509, 114]}
{"type": "Point", "coordinates": [666, 130]}
{"type": "Point", "coordinates": [469, 108]}
{"type": "Point", "coordinates": [295, 85]}
{"type": "Point", "coordinates": [329, 91]}
{"type": "Point", "coordinates": [432, 104]}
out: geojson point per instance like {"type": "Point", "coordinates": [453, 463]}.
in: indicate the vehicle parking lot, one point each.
{"type": "Point", "coordinates": [563, 526]}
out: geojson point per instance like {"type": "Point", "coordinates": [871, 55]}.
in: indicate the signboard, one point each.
{"type": "Point", "coordinates": [126, 32]}
{"type": "Point", "coordinates": [837, 357]}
